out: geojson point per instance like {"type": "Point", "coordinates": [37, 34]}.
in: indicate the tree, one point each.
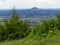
{"type": "Point", "coordinates": [14, 27]}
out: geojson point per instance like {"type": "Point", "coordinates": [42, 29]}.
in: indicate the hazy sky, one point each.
{"type": "Point", "coordinates": [23, 4]}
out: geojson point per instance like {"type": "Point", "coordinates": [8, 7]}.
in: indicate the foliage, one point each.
{"type": "Point", "coordinates": [14, 28]}
{"type": "Point", "coordinates": [47, 27]}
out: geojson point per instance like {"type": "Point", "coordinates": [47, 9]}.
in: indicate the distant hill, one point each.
{"type": "Point", "coordinates": [31, 12]}
{"type": "Point", "coordinates": [35, 8]}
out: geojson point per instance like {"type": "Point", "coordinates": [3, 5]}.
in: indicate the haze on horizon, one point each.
{"type": "Point", "coordinates": [24, 4]}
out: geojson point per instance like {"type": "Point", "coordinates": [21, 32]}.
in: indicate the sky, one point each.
{"type": "Point", "coordinates": [24, 4]}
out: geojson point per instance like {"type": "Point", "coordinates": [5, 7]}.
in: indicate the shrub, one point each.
{"type": "Point", "coordinates": [47, 27]}
{"type": "Point", "coordinates": [14, 28]}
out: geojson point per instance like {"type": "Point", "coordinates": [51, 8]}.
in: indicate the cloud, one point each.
{"type": "Point", "coordinates": [8, 4]}
{"type": "Point", "coordinates": [18, 3]}
{"type": "Point", "coordinates": [51, 2]}
{"type": "Point", "coordinates": [2, 0]}
{"type": "Point", "coordinates": [48, 3]}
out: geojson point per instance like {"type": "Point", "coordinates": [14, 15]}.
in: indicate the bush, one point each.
{"type": "Point", "coordinates": [14, 28]}
{"type": "Point", "coordinates": [48, 27]}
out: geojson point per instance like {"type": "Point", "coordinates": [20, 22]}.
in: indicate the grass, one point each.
{"type": "Point", "coordinates": [51, 40]}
